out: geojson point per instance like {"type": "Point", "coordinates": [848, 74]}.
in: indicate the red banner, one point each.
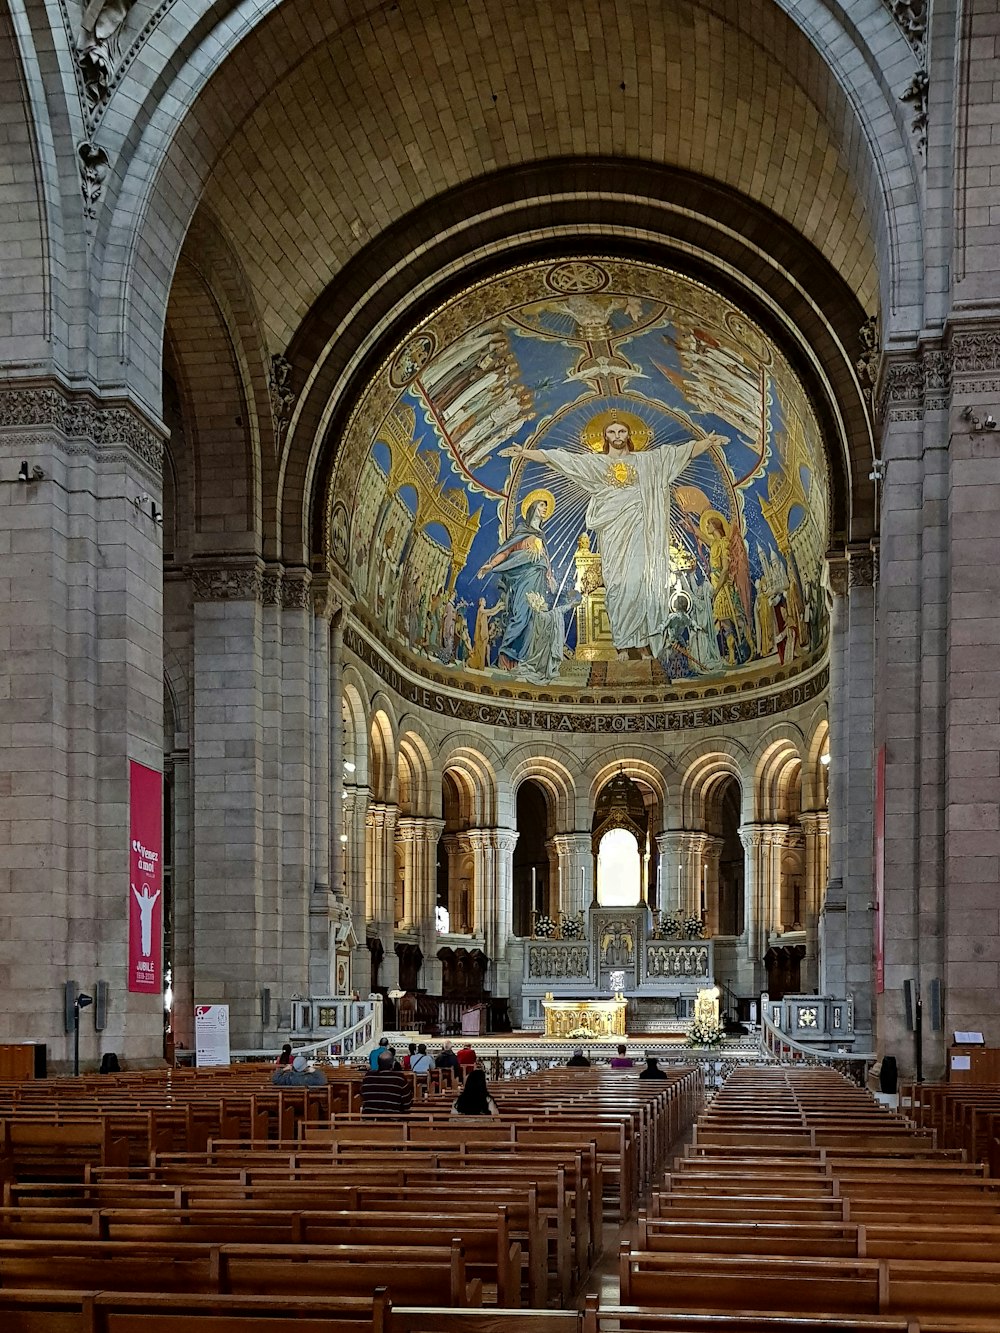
{"type": "Point", "coordinates": [880, 870]}
{"type": "Point", "coordinates": [145, 894]}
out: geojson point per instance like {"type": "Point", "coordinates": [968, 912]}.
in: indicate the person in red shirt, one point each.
{"type": "Point", "coordinates": [466, 1058]}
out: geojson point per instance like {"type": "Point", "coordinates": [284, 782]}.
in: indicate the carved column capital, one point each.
{"type": "Point", "coordinates": [862, 566]}
{"type": "Point", "coordinates": [240, 579]}
{"type": "Point", "coordinates": [81, 423]}
{"type": "Point", "coordinates": [836, 564]}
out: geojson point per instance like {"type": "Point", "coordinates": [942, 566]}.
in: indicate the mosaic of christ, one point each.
{"type": "Point", "coordinates": [593, 473]}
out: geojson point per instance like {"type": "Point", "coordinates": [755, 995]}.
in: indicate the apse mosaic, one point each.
{"type": "Point", "coordinates": [595, 473]}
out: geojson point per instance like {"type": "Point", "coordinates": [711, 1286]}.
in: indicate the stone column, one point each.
{"type": "Point", "coordinates": [672, 845]}
{"type": "Point", "coordinates": [762, 844]}
{"type": "Point", "coordinates": [234, 922]}
{"type": "Point", "coordinates": [355, 859]}
{"type": "Point", "coordinates": [695, 846]}
{"type": "Point", "coordinates": [575, 872]}
{"type": "Point", "coordinates": [456, 848]}
{"type": "Point", "coordinates": [325, 790]}
{"type": "Point", "coordinates": [82, 694]}
{"type": "Point", "coordinates": [182, 887]}
{"type": "Point", "coordinates": [493, 853]}
{"type": "Point", "coordinates": [860, 718]}
{"type": "Point", "coordinates": [712, 856]}
{"type": "Point", "coordinates": [815, 825]}
{"type": "Point", "coordinates": [419, 837]}
{"type": "Point", "coordinates": [832, 930]}
{"type": "Point", "coordinates": [380, 831]}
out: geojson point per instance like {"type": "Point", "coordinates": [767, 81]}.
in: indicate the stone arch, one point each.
{"type": "Point", "coordinates": [355, 723]}
{"type": "Point", "coordinates": [151, 191]}
{"type": "Point", "coordinates": [553, 774]}
{"type": "Point", "coordinates": [816, 773]}
{"type": "Point", "coordinates": [777, 781]}
{"type": "Point", "coordinates": [637, 762]}
{"type": "Point", "coordinates": [415, 773]}
{"type": "Point", "coordinates": [704, 772]}
{"type": "Point", "coordinates": [474, 776]}
{"type": "Point", "coordinates": [382, 751]}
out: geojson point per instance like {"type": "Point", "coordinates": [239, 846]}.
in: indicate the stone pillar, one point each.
{"type": "Point", "coordinates": [759, 843]}
{"type": "Point", "coordinates": [355, 859]}
{"type": "Point", "coordinates": [860, 725]}
{"type": "Point", "coordinates": [420, 840]}
{"type": "Point", "coordinates": [325, 790]}
{"type": "Point", "coordinates": [832, 928]}
{"type": "Point", "coordinates": [815, 825]}
{"type": "Point", "coordinates": [380, 838]}
{"type": "Point", "coordinates": [493, 859]}
{"type": "Point", "coordinates": [695, 846]}
{"type": "Point", "coordinates": [712, 856]}
{"type": "Point", "coordinates": [672, 846]}
{"type": "Point", "coordinates": [182, 889]}
{"type": "Point", "coordinates": [82, 694]}
{"type": "Point", "coordinates": [457, 848]}
{"type": "Point", "coordinates": [575, 872]}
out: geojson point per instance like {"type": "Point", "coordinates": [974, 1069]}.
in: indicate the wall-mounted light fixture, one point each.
{"type": "Point", "coordinates": [979, 425]}
{"type": "Point", "coordinates": [145, 505]}
{"type": "Point", "coordinates": [29, 474]}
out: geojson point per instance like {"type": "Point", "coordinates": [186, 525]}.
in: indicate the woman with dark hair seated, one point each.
{"type": "Point", "coordinates": [475, 1099]}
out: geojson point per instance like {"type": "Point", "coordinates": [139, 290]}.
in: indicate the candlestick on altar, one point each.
{"type": "Point", "coordinates": [679, 903]}
{"type": "Point", "coordinates": [534, 889]}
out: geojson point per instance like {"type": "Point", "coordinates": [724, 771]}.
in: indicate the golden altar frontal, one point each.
{"type": "Point", "coordinates": [584, 1018]}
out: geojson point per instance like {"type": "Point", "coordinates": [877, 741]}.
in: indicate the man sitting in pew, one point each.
{"type": "Point", "coordinates": [386, 1090]}
{"type": "Point", "coordinates": [298, 1075]}
{"type": "Point", "coordinates": [652, 1069]}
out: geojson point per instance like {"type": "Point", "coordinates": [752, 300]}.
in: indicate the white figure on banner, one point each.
{"type": "Point", "coordinates": [146, 905]}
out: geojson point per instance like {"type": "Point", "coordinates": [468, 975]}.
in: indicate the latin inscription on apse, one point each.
{"type": "Point", "coordinates": [714, 713]}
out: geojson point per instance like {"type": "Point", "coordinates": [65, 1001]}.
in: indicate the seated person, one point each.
{"type": "Point", "coordinates": [475, 1099]}
{"type": "Point", "coordinates": [622, 1060]}
{"type": "Point", "coordinates": [411, 1051]}
{"type": "Point", "coordinates": [578, 1060]}
{"type": "Point", "coordinates": [285, 1058]}
{"type": "Point", "coordinates": [298, 1075]}
{"type": "Point", "coordinates": [466, 1057]}
{"type": "Point", "coordinates": [373, 1056]}
{"type": "Point", "coordinates": [652, 1069]}
{"type": "Point", "coordinates": [447, 1059]}
{"type": "Point", "coordinates": [421, 1062]}
{"type": "Point", "coordinates": [385, 1090]}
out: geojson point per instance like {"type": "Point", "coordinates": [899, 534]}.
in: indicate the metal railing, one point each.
{"type": "Point", "coordinates": [355, 1039]}
{"type": "Point", "coordinates": [787, 1051]}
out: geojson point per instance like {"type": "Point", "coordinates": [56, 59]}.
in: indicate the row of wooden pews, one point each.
{"type": "Point", "coordinates": [800, 1203]}
{"type": "Point", "coordinates": [321, 1216]}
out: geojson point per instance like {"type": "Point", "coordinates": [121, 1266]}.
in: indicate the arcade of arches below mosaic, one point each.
{"type": "Point", "coordinates": [736, 831]}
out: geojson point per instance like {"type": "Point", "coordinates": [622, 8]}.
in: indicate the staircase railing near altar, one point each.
{"type": "Point", "coordinates": [354, 1026]}
{"type": "Point", "coordinates": [823, 1028]}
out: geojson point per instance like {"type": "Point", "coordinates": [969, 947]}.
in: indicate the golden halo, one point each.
{"type": "Point", "coordinates": [707, 517]}
{"type": "Point", "coordinates": [546, 496]}
{"type": "Point", "coordinates": [592, 434]}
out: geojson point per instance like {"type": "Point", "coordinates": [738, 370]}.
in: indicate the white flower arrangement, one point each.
{"type": "Point", "coordinates": [693, 927]}
{"type": "Point", "coordinates": [669, 926]}
{"type": "Point", "coordinates": [544, 927]}
{"type": "Point", "coordinates": [705, 1032]}
{"type": "Point", "coordinates": [572, 928]}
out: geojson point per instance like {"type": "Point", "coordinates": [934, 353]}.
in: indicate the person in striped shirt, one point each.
{"type": "Point", "coordinates": [385, 1090]}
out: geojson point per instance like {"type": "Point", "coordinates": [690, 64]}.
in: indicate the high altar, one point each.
{"type": "Point", "coordinates": [591, 1019]}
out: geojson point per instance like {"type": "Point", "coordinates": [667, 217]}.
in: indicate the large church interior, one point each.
{"type": "Point", "coordinates": [499, 508]}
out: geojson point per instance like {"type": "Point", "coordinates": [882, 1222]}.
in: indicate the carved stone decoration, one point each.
{"type": "Point", "coordinates": [295, 591]}
{"type": "Point", "coordinates": [902, 395]}
{"type": "Point", "coordinates": [94, 168]}
{"type": "Point", "coordinates": [837, 567]}
{"type": "Point", "coordinates": [915, 94]}
{"type": "Point", "coordinates": [98, 45]}
{"type": "Point", "coordinates": [937, 363]}
{"type": "Point", "coordinates": [861, 567]}
{"type": "Point", "coordinates": [82, 418]}
{"type": "Point", "coordinates": [867, 362]}
{"type": "Point", "coordinates": [227, 583]}
{"type": "Point", "coordinates": [911, 15]}
{"type": "Point", "coordinates": [976, 353]}
{"type": "Point", "coordinates": [282, 394]}
{"type": "Point", "coordinates": [555, 961]}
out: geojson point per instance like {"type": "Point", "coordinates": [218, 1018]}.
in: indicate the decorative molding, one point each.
{"type": "Point", "coordinates": [915, 95]}
{"type": "Point", "coordinates": [837, 569]}
{"type": "Point", "coordinates": [282, 394]}
{"type": "Point", "coordinates": [937, 363]}
{"type": "Point", "coordinates": [861, 567]}
{"type": "Point", "coordinates": [911, 16]}
{"type": "Point", "coordinates": [901, 395]}
{"type": "Point", "coordinates": [227, 582]}
{"type": "Point", "coordinates": [712, 713]}
{"type": "Point", "coordinates": [98, 46]}
{"type": "Point", "coordinates": [976, 353]}
{"type": "Point", "coordinates": [94, 169]}
{"type": "Point", "coordinates": [80, 417]}
{"type": "Point", "coordinates": [867, 364]}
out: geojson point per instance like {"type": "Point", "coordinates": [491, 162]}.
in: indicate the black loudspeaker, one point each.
{"type": "Point", "coordinates": [101, 1006]}
{"type": "Point", "coordinates": [265, 1006]}
{"type": "Point", "coordinates": [69, 1018]}
{"type": "Point", "coordinates": [934, 1003]}
{"type": "Point", "coordinates": [910, 1001]}
{"type": "Point", "coordinates": [41, 1060]}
